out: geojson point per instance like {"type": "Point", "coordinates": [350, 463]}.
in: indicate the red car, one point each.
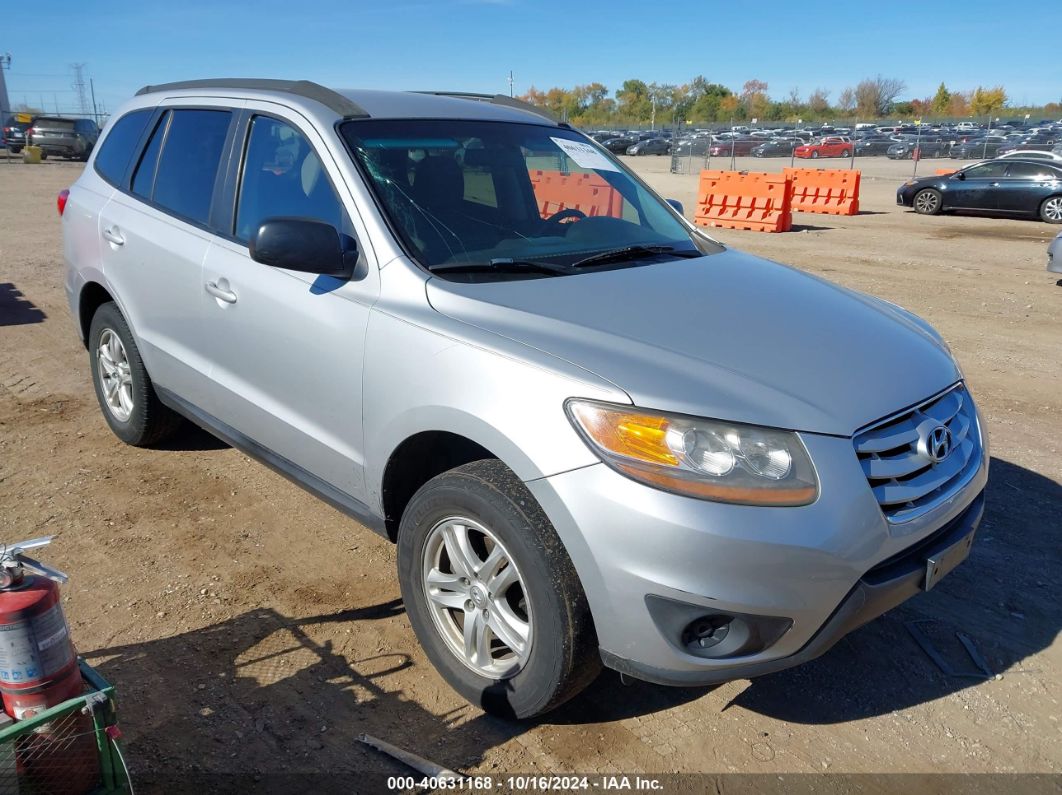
{"type": "Point", "coordinates": [736, 146]}
{"type": "Point", "coordinates": [830, 146]}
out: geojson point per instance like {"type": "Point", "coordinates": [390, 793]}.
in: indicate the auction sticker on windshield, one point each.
{"type": "Point", "coordinates": [584, 155]}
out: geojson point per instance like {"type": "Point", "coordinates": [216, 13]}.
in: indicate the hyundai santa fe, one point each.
{"type": "Point", "coordinates": [596, 435]}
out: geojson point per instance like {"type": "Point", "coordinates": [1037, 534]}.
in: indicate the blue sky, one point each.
{"type": "Point", "coordinates": [472, 44]}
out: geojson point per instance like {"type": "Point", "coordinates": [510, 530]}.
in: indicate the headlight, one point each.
{"type": "Point", "coordinates": [707, 459]}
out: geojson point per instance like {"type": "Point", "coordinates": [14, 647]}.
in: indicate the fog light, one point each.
{"type": "Point", "coordinates": [705, 632]}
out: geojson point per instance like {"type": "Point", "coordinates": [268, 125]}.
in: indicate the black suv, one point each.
{"type": "Point", "coordinates": [72, 138]}
{"type": "Point", "coordinates": [14, 134]}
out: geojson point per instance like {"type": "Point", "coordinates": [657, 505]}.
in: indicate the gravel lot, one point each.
{"type": "Point", "coordinates": [253, 632]}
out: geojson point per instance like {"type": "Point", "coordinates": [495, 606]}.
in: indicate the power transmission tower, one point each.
{"type": "Point", "coordinates": [79, 88]}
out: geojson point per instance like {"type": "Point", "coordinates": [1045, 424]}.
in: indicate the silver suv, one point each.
{"type": "Point", "coordinates": [595, 434]}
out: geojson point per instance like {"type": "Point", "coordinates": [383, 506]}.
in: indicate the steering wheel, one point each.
{"type": "Point", "coordinates": [562, 215]}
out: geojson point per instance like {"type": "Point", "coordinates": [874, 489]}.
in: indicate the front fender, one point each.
{"type": "Point", "coordinates": [419, 380]}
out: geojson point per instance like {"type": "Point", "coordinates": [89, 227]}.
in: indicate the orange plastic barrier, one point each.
{"type": "Point", "coordinates": [829, 191]}
{"type": "Point", "coordinates": [588, 193]}
{"type": "Point", "coordinates": [943, 172]}
{"type": "Point", "coordinates": [757, 201]}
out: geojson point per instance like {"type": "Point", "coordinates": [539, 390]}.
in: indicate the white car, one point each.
{"type": "Point", "coordinates": [1032, 154]}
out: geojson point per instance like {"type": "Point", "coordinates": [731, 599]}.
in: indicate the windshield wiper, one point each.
{"type": "Point", "coordinates": [632, 252]}
{"type": "Point", "coordinates": [501, 265]}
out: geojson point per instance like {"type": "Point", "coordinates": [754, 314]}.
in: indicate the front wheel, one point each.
{"type": "Point", "coordinates": [814, 155]}
{"type": "Point", "coordinates": [1051, 210]}
{"type": "Point", "coordinates": [491, 593]}
{"type": "Point", "coordinates": [927, 202]}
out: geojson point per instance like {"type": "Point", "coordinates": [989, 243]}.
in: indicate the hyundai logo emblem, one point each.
{"type": "Point", "coordinates": [935, 442]}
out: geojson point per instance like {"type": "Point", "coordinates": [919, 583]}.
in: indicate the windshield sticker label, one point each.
{"type": "Point", "coordinates": [584, 155]}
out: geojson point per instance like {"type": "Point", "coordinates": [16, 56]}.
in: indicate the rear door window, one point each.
{"type": "Point", "coordinates": [113, 156]}
{"type": "Point", "coordinates": [188, 164]}
{"type": "Point", "coordinates": [1030, 171]}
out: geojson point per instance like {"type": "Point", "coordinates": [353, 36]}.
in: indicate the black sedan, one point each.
{"type": "Point", "coordinates": [619, 146]}
{"type": "Point", "coordinates": [1009, 187]}
{"type": "Point", "coordinates": [927, 147]}
{"type": "Point", "coordinates": [987, 146]}
{"type": "Point", "coordinates": [779, 147]}
{"type": "Point", "coordinates": [873, 145]}
{"type": "Point", "coordinates": [650, 146]}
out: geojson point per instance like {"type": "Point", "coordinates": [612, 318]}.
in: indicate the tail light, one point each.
{"type": "Point", "coordinates": [60, 201]}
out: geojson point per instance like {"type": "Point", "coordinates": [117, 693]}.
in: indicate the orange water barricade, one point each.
{"type": "Point", "coordinates": [829, 191]}
{"type": "Point", "coordinates": [733, 200]}
{"type": "Point", "coordinates": [588, 193]}
{"type": "Point", "coordinates": [943, 172]}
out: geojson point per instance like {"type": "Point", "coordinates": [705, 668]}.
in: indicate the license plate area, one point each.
{"type": "Point", "coordinates": [941, 563]}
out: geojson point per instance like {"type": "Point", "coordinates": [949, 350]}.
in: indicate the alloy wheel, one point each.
{"type": "Point", "coordinates": [927, 202]}
{"type": "Point", "coordinates": [116, 379]}
{"type": "Point", "coordinates": [476, 597]}
{"type": "Point", "coordinates": [1053, 210]}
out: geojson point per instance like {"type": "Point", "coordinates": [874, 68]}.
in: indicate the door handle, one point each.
{"type": "Point", "coordinates": [228, 296]}
{"type": "Point", "coordinates": [112, 235]}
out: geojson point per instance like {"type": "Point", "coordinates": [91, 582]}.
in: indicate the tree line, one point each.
{"type": "Point", "coordinates": [700, 101]}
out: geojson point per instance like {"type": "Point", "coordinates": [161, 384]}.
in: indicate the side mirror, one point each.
{"type": "Point", "coordinates": [677, 205]}
{"type": "Point", "coordinates": [299, 244]}
{"type": "Point", "coordinates": [960, 176]}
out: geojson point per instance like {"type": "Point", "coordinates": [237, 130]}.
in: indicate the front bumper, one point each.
{"type": "Point", "coordinates": [877, 592]}
{"type": "Point", "coordinates": [800, 577]}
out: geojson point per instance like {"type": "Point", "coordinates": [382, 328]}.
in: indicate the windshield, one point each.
{"type": "Point", "coordinates": [480, 193]}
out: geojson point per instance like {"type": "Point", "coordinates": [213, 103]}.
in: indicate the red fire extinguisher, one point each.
{"type": "Point", "coordinates": [38, 663]}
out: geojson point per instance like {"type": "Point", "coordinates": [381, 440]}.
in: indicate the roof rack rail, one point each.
{"type": "Point", "coordinates": [497, 99]}
{"type": "Point", "coordinates": [301, 88]}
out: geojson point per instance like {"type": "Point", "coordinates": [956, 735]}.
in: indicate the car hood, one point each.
{"type": "Point", "coordinates": [728, 336]}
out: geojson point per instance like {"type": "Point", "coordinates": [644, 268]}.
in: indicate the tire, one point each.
{"type": "Point", "coordinates": [132, 409]}
{"type": "Point", "coordinates": [927, 201]}
{"type": "Point", "coordinates": [815, 155]}
{"type": "Point", "coordinates": [845, 153]}
{"type": "Point", "coordinates": [44, 155]}
{"type": "Point", "coordinates": [1051, 210]}
{"type": "Point", "coordinates": [496, 510]}
{"type": "Point", "coordinates": [15, 149]}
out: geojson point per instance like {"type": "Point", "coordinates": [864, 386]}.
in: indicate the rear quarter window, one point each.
{"type": "Point", "coordinates": [113, 156]}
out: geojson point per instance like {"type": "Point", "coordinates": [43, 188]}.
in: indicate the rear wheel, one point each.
{"type": "Point", "coordinates": [123, 387]}
{"type": "Point", "coordinates": [491, 593]}
{"type": "Point", "coordinates": [1051, 210]}
{"type": "Point", "coordinates": [815, 155]}
{"type": "Point", "coordinates": [927, 202]}
{"type": "Point", "coordinates": [846, 153]}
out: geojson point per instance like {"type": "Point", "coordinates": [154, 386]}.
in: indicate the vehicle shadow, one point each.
{"type": "Point", "coordinates": [1001, 598]}
{"type": "Point", "coordinates": [15, 310]}
{"type": "Point", "coordinates": [191, 438]}
{"type": "Point", "coordinates": [263, 702]}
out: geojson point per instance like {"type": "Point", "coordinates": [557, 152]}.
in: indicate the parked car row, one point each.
{"type": "Point", "coordinates": [55, 135]}
{"type": "Point", "coordinates": [897, 142]}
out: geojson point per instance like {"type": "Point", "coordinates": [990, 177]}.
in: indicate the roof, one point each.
{"type": "Point", "coordinates": [365, 103]}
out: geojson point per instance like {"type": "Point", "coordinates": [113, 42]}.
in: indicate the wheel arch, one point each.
{"type": "Point", "coordinates": [415, 461]}
{"type": "Point", "coordinates": [93, 295]}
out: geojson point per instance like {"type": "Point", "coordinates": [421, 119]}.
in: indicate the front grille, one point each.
{"type": "Point", "coordinates": [906, 482]}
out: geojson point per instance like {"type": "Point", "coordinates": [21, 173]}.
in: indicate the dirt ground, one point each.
{"type": "Point", "coordinates": [253, 632]}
